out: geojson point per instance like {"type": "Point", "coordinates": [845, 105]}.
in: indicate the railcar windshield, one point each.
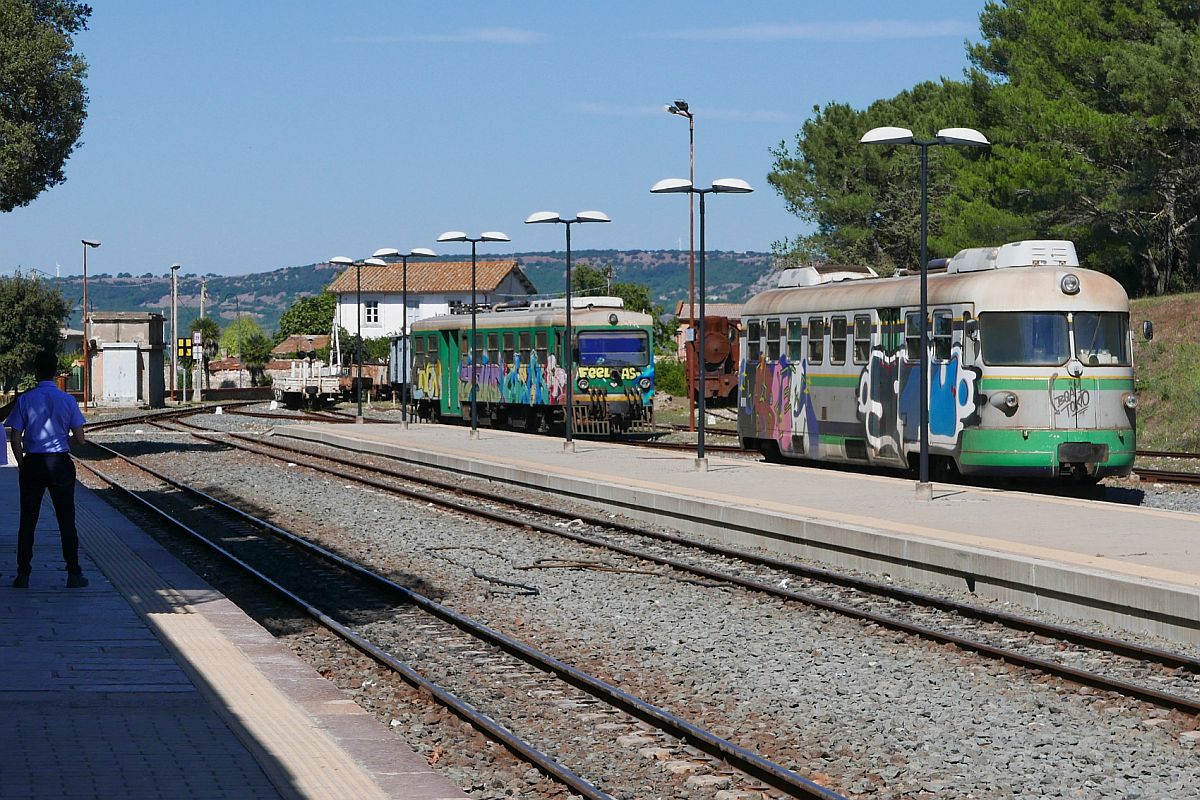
{"type": "Point", "coordinates": [1024, 338]}
{"type": "Point", "coordinates": [627, 348]}
{"type": "Point", "coordinates": [1102, 338]}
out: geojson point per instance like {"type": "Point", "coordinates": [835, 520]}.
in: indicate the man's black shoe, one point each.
{"type": "Point", "coordinates": [76, 581]}
{"type": "Point", "coordinates": [21, 582]}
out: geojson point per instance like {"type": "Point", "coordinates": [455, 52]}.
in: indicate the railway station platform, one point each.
{"type": "Point", "coordinates": [1122, 565]}
{"type": "Point", "coordinates": [149, 684]}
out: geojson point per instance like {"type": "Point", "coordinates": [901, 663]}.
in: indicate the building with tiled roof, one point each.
{"type": "Point", "coordinates": [300, 343]}
{"type": "Point", "coordinates": [434, 287]}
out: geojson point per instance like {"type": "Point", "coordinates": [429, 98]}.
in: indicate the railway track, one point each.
{"type": "Point", "coordinates": [1165, 679]}
{"type": "Point", "coordinates": [511, 691]}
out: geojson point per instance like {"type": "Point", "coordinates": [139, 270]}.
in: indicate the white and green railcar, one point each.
{"type": "Point", "coordinates": [1030, 360]}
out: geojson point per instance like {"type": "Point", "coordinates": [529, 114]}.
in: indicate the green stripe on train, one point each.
{"type": "Point", "coordinates": [1011, 448]}
{"type": "Point", "coordinates": [1039, 384]}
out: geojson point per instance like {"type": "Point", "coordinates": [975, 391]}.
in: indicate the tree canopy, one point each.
{"type": "Point", "coordinates": [312, 314]}
{"type": "Point", "coordinates": [33, 314]}
{"type": "Point", "coordinates": [43, 100]}
{"type": "Point", "coordinates": [238, 333]}
{"type": "Point", "coordinates": [1093, 111]}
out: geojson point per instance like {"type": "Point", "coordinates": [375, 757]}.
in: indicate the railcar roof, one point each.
{"type": "Point", "coordinates": [1009, 289]}
{"type": "Point", "coordinates": [535, 318]}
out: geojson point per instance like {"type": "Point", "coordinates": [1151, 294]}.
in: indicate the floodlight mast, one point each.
{"type": "Point", "coordinates": [569, 344]}
{"type": "Point", "coordinates": [968, 137]}
{"type": "Point", "coordinates": [486, 236]}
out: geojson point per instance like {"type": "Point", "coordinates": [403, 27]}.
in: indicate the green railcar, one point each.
{"type": "Point", "coordinates": [520, 379]}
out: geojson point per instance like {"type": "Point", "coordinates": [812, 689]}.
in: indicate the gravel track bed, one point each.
{"type": "Point", "coordinates": [859, 708]}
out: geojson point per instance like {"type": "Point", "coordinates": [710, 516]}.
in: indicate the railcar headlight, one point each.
{"type": "Point", "coordinates": [582, 383]}
{"type": "Point", "coordinates": [644, 384]}
{"type": "Point", "coordinates": [1005, 401]}
{"type": "Point", "coordinates": [1130, 400]}
{"type": "Point", "coordinates": [1069, 283]}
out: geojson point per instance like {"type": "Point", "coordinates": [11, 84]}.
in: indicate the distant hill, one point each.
{"type": "Point", "coordinates": [730, 277]}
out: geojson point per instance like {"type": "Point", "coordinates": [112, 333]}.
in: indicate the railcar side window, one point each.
{"type": "Point", "coordinates": [772, 340]}
{"type": "Point", "coordinates": [837, 340]}
{"type": "Point", "coordinates": [816, 340]}
{"type": "Point", "coordinates": [753, 342]}
{"type": "Point", "coordinates": [1102, 339]}
{"type": "Point", "coordinates": [523, 343]}
{"type": "Point", "coordinates": [862, 339]}
{"type": "Point", "coordinates": [464, 347]}
{"type": "Point", "coordinates": [795, 334]}
{"type": "Point", "coordinates": [1024, 338]}
{"type": "Point", "coordinates": [508, 349]}
{"type": "Point", "coordinates": [943, 332]}
{"type": "Point", "coordinates": [418, 345]}
{"type": "Point", "coordinates": [539, 344]}
{"type": "Point", "coordinates": [493, 348]}
{"type": "Point", "coordinates": [912, 336]}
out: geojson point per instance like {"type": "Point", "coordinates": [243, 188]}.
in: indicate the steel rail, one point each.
{"type": "Point", "coordinates": [1120, 647]}
{"type": "Point", "coordinates": [1165, 454]}
{"type": "Point", "coordinates": [1165, 476]}
{"type": "Point", "coordinates": [464, 710]}
{"type": "Point", "coordinates": [745, 760]}
{"type": "Point", "coordinates": [1116, 646]}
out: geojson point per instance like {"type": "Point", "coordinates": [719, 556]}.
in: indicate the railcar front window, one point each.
{"type": "Point", "coordinates": [1024, 338]}
{"type": "Point", "coordinates": [1102, 339]}
{"type": "Point", "coordinates": [613, 348]}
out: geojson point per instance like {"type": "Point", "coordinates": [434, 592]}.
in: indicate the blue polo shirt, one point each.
{"type": "Point", "coordinates": [45, 416]}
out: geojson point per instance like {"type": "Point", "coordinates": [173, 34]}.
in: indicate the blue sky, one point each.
{"type": "Point", "coordinates": [239, 137]}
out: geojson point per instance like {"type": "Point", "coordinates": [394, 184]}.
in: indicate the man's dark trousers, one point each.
{"type": "Point", "coordinates": [39, 472]}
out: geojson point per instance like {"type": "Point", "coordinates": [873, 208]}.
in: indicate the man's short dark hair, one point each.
{"type": "Point", "coordinates": [45, 365]}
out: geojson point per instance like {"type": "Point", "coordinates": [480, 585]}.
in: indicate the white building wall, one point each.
{"type": "Point", "coordinates": [391, 312]}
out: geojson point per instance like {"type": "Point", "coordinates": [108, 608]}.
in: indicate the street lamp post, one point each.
{"type": "Point", "coordinates": [174, 326]}
{"type": "Point", "coordinates": [680, 109]}
{"type": "Point", "coordinates": [569, 346]}
{"type": "Point", "coordinates": [344, 261]}
{"type": "Point", "coordinates": [967, 137]}
{"type": "Point", "coordinates": [391, 252]}
{"type": "Point", "coordinates": [486, 236]}
{"type": "Point", "coordinates": [722, 186]}
{"type": "Point", "coordinates": [87, 374]}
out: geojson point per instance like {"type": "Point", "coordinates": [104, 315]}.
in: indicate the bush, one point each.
{"type": "Point", "coordinates": [670, 377]}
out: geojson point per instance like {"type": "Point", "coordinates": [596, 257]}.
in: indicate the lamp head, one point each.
{"type": "Point", "coordinates": [176, 265]}
{"type": "Point", "coordinates": [592, 216]}
{"type": "Point", "coordinates": [91, 242]}
{"type": "Point", "coordinates": [422, 251]}
{"type": "Point", "coordinates": [962, 136]}
{"type": "Point", "coordinates": [386, 252]}
{"type": "Point", "coordinates": [543, 216]}
{"type": "Point", "coordinates": [670, 185]}
{"type": "Point", "coordinates": [375, 262]}
{"type": "Point", "coordinates": [453, 236]}
{"type": "Point", "coordinates": [731, 186]}
{"type": "Point", "coordinates": [494, 236]}
{"type": "Point", "coordinates": [341, 261]}
{"type": "Point", "coordinates": [887, 135]}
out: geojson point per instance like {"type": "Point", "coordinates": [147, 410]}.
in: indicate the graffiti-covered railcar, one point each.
{"type": "Point", "coordinates": [520, 379]}
{"type": "Point", "coordinates": [1030, 366]}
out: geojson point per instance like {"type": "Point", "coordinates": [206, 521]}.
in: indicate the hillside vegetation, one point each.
{"type": "Point", "coordinates": [1168, 373]}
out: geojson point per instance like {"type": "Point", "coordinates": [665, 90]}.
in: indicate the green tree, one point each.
{"type": "Point", "coordinates": [43, 100]}
{"type": "Point", "coordinates": [237, 333]}
{"type": "Point", "coordinates": [33, 314]}
{"type": "Point", "coordinates": [587, 280]}
{"type": "Point", "coordinates": [312, 314]}
{"type": "Point", "coordinates": [256, 352]}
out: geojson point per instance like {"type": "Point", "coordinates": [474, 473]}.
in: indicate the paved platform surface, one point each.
{"type": "Point", "coordinates": [150, 684]}
{"type": "Point", "coordinates": [1123, 565]}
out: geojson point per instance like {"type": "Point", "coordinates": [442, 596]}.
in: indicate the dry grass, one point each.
{"type": "Point", "coordinates": [1168, 372]}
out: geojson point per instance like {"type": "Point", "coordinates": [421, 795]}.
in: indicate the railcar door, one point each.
{"type": "Point", "coordinates": [880, 390]}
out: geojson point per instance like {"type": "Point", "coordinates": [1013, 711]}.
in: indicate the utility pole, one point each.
{"type": "Point", "coordinates": [174, 326]}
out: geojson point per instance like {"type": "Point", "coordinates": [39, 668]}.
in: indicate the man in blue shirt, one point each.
{"type": "Point", "coordinates": [44, 422]}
